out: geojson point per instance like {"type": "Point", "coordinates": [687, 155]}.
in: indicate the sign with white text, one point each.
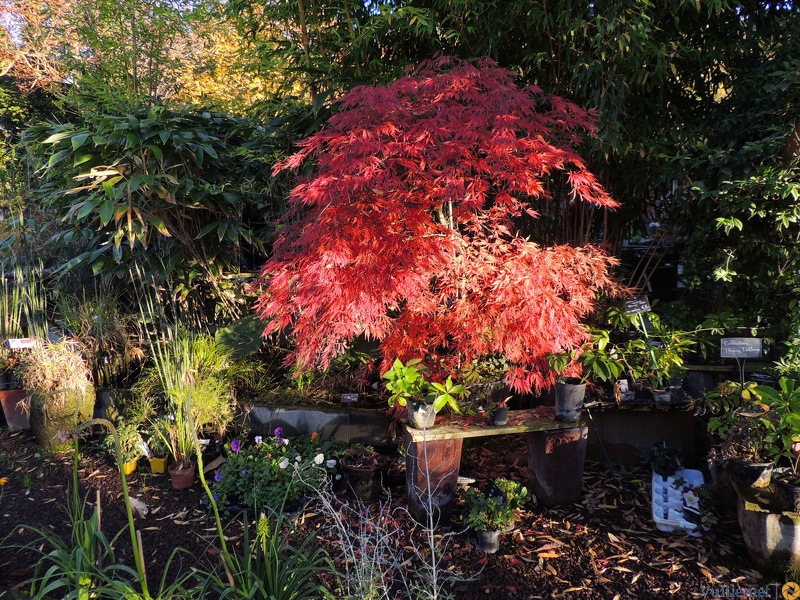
{"type": "Point", "coordinates": [740, 348]}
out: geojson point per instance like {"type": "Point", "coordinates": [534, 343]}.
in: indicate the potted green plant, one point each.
{"type": "Point", "coordinates": [157, 451]}
{"type": "Point", "coordinates": [488, 516]}
{"type": "Point", "coordinates": [130, 447]}
{"type": "Point", "coordinates": [515, 494]}
{"type": "Point", "coordinates": [665, 460]}
{"type": "Point", "coordinates": [596, 360]}
{"type": "Point", "coordinates": [363, 468]}
{"type": "Point", "coordinates": [410, 387]}
{"type": "Point", "coordinates": [764, 428]}
{"type": "Point", "coordinates": [61, 393]}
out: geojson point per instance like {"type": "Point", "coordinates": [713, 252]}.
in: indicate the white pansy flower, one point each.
{"type": "Point", "coordinates": [284, 463]}
{"type": "Point", "coordinates": [319, 458]}
{"type": "Point", "coordinates": [331, 463]}
{"type": "Point", "coordinates": [259, 439]}
{"type": "Point", "coordinates": [298, 458]}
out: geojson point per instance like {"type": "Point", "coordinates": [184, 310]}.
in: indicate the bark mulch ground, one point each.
{"type": "Point", "coordinates": [605, 546]}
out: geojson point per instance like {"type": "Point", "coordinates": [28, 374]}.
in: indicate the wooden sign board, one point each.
{"type": "Point", "coordinates": [20, 343]}
{"type": "Point", "coordinates": [740, 348]}
{"type": "Point", "coordinates": [637, 305]}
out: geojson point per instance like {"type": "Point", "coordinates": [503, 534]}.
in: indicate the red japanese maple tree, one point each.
{"type": "Point", "coordinates": [405, 230]}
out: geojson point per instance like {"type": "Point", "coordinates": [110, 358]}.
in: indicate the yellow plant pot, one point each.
{"type": "Point", "coordinates": [158, 465]}
{"type": "Point", "coordinates": [129, 467]}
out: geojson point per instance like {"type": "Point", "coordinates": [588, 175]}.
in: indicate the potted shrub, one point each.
{"type": "Point", "coordinates": [410, 388]}
{"type": "Point", "coordinates": [61, 393]}
{"type": "Point", "coordinates": [757, 441]}
{"type": "Point", "coordinates": [130, 447]}
{"type": "Point", "coordinates": [594, 361]}
{"type": "Point", "coordinates": [500, 412]}
{"type": "Point", "coordinates": [12, 397]}
{"type": "Point", "coordinates": [177, 433]}
{"type": "Point", "coordinates": [488, 516]}
{"type": "Point", "coordinates": [362, 468]}
{"type": "Point", "coordinates": [665, 460]}
{"type": "Point", "coordinates": [157, 451]}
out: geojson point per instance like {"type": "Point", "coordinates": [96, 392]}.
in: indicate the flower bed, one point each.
{"type": "Point", "coordinates": [274, 472]}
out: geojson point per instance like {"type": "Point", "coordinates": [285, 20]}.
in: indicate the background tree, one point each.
{"type": "Point", "coordinates": [406, 231]}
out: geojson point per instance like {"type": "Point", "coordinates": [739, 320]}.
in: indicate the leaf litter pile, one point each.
{"type": "Point", "coordinates": [605, 546]}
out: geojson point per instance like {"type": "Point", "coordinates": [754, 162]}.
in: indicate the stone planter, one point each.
{"type": "Point", "coordinates": [772, 539]}
{"type": "Point", "coordinates": [54, 415]}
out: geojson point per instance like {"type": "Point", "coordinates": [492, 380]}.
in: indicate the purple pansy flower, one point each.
{"type": "Point", "coordinates": [244, 472]}
{"type": "Point", "coordinates": [218, 477]}
{"type": "Point", "coordinates": [236, 445]}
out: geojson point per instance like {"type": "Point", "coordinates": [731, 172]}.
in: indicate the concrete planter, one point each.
{"type": "Point", "coordinates": [364, 426]}
{"type": "Point", "coordinates": [54, 415]}
{"type": "Point", "coordinates": [772, 539]}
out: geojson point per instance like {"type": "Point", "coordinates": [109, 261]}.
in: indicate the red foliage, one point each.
{"type": "Point", "coordinates": [405, 230]}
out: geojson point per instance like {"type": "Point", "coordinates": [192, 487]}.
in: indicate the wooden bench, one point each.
{"type": "Point", "coordinates": [556, 456]}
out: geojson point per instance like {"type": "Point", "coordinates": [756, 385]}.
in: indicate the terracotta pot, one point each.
{"type": "Point", "coordinates": [488, 541]}
{"type": "Point", "coordinates": [182, 478]}
{"type": "Point", "coordinates": [365, 484]}
{"type": "Point", "coordinates": [16, 417]}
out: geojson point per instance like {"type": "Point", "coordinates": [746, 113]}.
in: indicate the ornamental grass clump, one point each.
{"type": "Point", "coordinates": [49, 367]}
{"type": "Point", "coordinates": [62, 393]}
{"type": "Point", "coordinates": [274, 471]}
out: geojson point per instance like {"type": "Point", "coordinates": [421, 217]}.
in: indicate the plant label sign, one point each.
{"type": "Point", "coordinates": [20, 343]}
{"type": "Point", "coordinates": [349, 398]}
{"type": "Point", "coordinates": [637, 306]}
{"type": "Point", "coordinates": [740, 348]}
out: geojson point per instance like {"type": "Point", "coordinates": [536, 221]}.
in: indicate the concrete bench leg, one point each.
{"type": "Point", "coordinates": [556, 460]}
{"type": "Point", "coordinates": [432, 477]}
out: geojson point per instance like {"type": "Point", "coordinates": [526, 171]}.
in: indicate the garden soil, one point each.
{"type": "Point", "coordinates": [605, 546]}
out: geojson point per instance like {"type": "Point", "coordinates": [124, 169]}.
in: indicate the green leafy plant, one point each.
{"type": "Point", "coordinates": [130, 444]}
{"type": "Point", "coordinates": [486, 513]}
{"type": "Point", "coordinates": [747, 426]}
{"type": "Point", "coordinates": [169, 190]}
{"type": "Point", "coordinates": [664, 460]}
{"type": "Point", "coordinates": [275, 564]}
{"type": "Point", "coordinates": [408, 382]}
{"type": "Point", "coordinates": [596, 360]}
{"type": "Point", "coordinates": [516, 495]}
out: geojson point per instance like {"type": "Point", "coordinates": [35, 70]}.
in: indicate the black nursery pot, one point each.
{"type": "Point", "coordinates": [569, 399]}
{"type": "Point", "coordinates": [500, 416]}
